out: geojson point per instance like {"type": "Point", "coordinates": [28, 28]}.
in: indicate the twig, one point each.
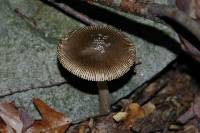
{"type": "Point", "coordinates": [23, 16]}
{"type": "Point", "coordinates": [83, 18]}
{"type": "Point", "coordinates": [190, 49]}
{"type": "Point", "coordinates": [177, 15]}
{"type": "Point", "coordinates": [32, 88]}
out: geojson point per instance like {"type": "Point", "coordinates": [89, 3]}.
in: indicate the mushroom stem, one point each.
{"type": "Point", "coordinates": [104, 104]}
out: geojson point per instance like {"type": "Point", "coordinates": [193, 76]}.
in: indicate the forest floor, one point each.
{"type": "Point", "coordinates": [168, 103]}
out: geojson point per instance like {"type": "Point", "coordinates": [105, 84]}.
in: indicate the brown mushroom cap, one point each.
{"type": "Point", "coordinates": [96, 53]}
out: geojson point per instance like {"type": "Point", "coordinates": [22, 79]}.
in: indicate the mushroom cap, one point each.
{"type": "Point", "coordinates": [96, 53]}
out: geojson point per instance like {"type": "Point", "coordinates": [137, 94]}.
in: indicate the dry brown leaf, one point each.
{"type": "Point", "coordinates": [26, 119]}
{"type": "Point", "coordinates": [11, 116]}
{"type": "Point", "coordinates": [135, 112]}
{"type": "Point", "coordinates": [45, 127]}
{"type": "Point", "coordinates": [52, 121]}
{"type": "Point", "coordinates": [84, 127]}
{"type": "Point", "coordinates": [3, 127]}
{"type": "Point", "coordinates": [149, 108]}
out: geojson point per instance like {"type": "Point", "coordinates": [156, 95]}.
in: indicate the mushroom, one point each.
{"type": "Point", "coordinates": [97, 53]}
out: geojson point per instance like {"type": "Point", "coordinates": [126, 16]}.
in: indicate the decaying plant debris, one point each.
{"type": "Point", "coordinates": [170, 104]}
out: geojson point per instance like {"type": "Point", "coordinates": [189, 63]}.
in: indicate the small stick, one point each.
{"type": "Point", "coordinates": [177, 15]}
{"type": "Point", "coordinates": [85, 19]}
{"type": "Point", "coordinates": [23, 16]}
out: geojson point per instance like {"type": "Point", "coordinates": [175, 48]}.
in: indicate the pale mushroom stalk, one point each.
{"type": "Point", "coordinates": [104, 105]}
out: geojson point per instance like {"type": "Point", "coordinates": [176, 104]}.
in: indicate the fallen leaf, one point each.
{"type": "Point", "coordinates": [3, 127]}
{"type": "Point", "coordinates": [148, 108]}
{"type": "Point", "coordinates": [11, 116]}
{"type": "Point", "coordinates": [52, 121]}
{"type": "Point", "coordinates": [26, 119]}
{"type": "Point", "coordinates": [10, 129]}
{"type": "Point", "coordinates": [83, 127]}
{"type": "Point", "coordinates": [134, 111]}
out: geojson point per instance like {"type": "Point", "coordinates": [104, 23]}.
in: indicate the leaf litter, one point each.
{"type": "Point", "coordinates": [168, 104]}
